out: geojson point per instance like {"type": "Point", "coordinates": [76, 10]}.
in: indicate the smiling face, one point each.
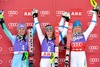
{"type": "Point", "coordinates": [21, 31]}
{"type": "Point", "coordinates": [77, 30]}
{"type": "Point", "coordinates": [49, 33]}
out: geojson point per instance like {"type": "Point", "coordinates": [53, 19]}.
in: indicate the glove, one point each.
{"type": "Point", "coordinates": [25, 56]}
{"type": "Point", "coordinates": [97, 10]}
{"type": "Point", "coordinates": [35, 13]}
{"type": "Point", "coordinates": [66, 15]}
{"type": "Point", "coordinates": [1, 14]}
{"type": "Point", "coordinates": [93, 11]}
{"type": "Point", "coordinates": [1, 18]}
{"type": "Point", "coordinates": [52, 57]}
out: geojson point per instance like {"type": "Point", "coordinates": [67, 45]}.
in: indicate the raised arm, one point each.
{"type": "Point", "coordinates": [66, 16]}
{"type": "Point", "coordinates": [64, 31]}
{"type": "Point", "coordinates": [91, 26]}
{"type": "Point", "coordinates": [37, 25]}
{"type": "Point", "coordinates": [61, 24]}
{"type": "Point", "coordinates": [3, 25]}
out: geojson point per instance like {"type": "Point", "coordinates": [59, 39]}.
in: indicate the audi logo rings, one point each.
{"type": "Point", "coordinates": [93, 47]}
{"type": "Point", "coordinates": [0, 48]}
{"type": "Point", "coordinates": [12, 12]}
{"type": "Point", "coordinates": [0, 36]}
{"type": "Point", "coordinates": [60, 12]}
{"type": "Point", "coordinates": [29, 24]}
{"type": "Point", "coordinates": [94, 60]}
{"type": "Point", "coordinates": [45, 12]}
{"type": "Point", "coordinates": [12, 24]}
{"type": "Point", "coordinates": [0, 61]}
{"type": "Point", "coordinates": [89, 13]}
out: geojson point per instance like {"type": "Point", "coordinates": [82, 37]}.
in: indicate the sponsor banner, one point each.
{"type": "Point", "coordinates": [12, 13]}
{"type": "Point", "coordinates": [93, 36]}
{"type": "Point", "coordinates": [59, 13]}
{"type": "Point", "coordinates": [0, 49]}
{"type": "Point", "coordinates": [48, 14]}
{"type": "Point", "coordinates": [89, 13]}
{"type": "Point", "coordinates": [10, 49]}
{"type": "Point", "coordinates": [27, 12]}
{"type": "Point", "coordinates": [93, 49]}
{"type": "Point", "coordinates": [93, 60]}
{"type": "Point", "coordinates": [44, 13]}
{"type": "Point", "coordinates": [43, 24]}
{"type": "Point", "coordinates": [4, 0]}
{"type": "Point", "coordinates": [76, 12]}
{"type": "Point", "coordinates": [0, 36]}
{"type": "Point", "coordinates": [0, 61]}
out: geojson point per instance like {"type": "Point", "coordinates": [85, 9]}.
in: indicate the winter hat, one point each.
{"type": "Point", "coordinates": [77, 23]}
{"type": "Point", "coordinates": [21, 25]}
{"type": "Point", "coordinates": [49, 27]}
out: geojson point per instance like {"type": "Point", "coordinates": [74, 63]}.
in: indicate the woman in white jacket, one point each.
{"type": "Point", "coordinates": [47, 40]}
{"type": "Point", "coordinates": [78, 57]}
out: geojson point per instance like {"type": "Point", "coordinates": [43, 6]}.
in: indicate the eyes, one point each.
{"type": "Point", "coordinates": [77, 27]}
{"type": "Point", "coordinates": [21, 29]}
{"type": "Point", "coordinates": [49, 31]}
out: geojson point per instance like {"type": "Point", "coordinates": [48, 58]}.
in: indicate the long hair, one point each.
{"type": "Point", "coordinates": [24, 36]}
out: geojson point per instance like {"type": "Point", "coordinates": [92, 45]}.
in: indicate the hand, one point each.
{"type": "Point", "coordinates": [66, 15]}
{"type": "Point", "coordinates": [1, 14]}
{"type": "Point", "coordinates": [96, 9]}
{"type": "Point", "coordinates": [35, 13]}
{"type": "Point", "coordinates": [25, 56]}
{"type": "Point", "coordinates": [93, 11]}
{"type": "Point", "coordinates": [1, 18]}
